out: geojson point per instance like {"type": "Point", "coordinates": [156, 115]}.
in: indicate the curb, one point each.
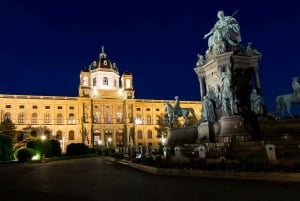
{"type": "Point", "coordinates": [250, 176]}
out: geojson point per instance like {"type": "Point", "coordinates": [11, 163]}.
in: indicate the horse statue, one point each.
{"type": "Point", "coordinates": [284, 103]}
{"type": "Point", "coordinates": [226, 94]}
{"type": "Point", "coordinates": [182, 112]}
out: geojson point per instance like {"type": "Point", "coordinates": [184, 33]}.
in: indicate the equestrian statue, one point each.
{"type": "Point", "coordinates": [175, 112]}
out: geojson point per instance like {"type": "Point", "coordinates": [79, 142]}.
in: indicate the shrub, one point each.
{"type": "Point", "coordinates": [74, 149]}
{"type": "Point", "coordinates": [24, 154]}
{"type": "Point", "coordinates": [6, 148]}
{"type": "Point", "coordinates": [49, 147]}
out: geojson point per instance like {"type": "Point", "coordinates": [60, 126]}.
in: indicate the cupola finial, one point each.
{"type": "Point", "coordinates": [102, 54]}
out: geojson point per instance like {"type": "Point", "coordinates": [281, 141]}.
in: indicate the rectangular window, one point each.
{"type": "Point", "coordinates": [7, 106]}
{"type": "Point", "coordinates": [138, 109]}
{"type": "Point", "coordinates": [157, 109]}
{"type": "Point", "coordinates": [71, 107]}
{"type": "Point", "coordinates": [21, 106]}
{"type": "Point", "coordinates": [148, 109]}
{"type": "Point", "coordinates": [59, 107]}
{"type": "Point", "coordinates": [47, 107]}
{"type": "Point", "coordinates": [34, 107]}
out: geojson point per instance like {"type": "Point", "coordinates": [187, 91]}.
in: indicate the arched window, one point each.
{"type": "Point", "coordinates": [119, 117]}
{"type": "Point", "coordinates": [140, 134]}
{"type": "Point", "coordinates": [21, 118]}
{"type": "Point", "coordinates": [59, 135]}
{"type": "Point", "coordinates": [105, 81]}
{"type": "Point", "coordinates": [94, 81]}
{"type": "Point", "coordinates": [59, 118]}
{"type": "Point", "coordinates": [158, 119]}
{"type": "Point", "coordinates": [148, 119]}
{"type": "Point", "coordinates": [138, 119]}
{"type": "Point", "coordinates": [97, 117]}
{"type": "Point", "coordinates": [71, 135]}
{"type": "Point", "coordinates": [127, 83]}
{"type": "Point", "coordinates": [85, 81]}
{"type": "Point", "coordinates": [7, 115]}
{"type": "Point", "coordinates": [71, 119]}
{"type": "Point", "coordinates": [107, 118]}
{"type": "Point", "coordinates": [34, 117]}
{"type": "Point", "coordinates": [149, 134]}
{"type": "Point", "coordinates": [47, 118]}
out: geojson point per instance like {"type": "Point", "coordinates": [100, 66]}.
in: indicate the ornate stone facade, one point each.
{"type": "Point", "coordinates": [103, 111]}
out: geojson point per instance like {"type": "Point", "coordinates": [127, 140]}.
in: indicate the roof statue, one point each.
{"type": "Point", "coordinates": [201, 60]}
{"type": "Point", "coordinates": [225, 34]}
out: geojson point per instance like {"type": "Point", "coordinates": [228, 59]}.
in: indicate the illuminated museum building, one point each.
{"type": "Point", "coordinates": [104, 112]}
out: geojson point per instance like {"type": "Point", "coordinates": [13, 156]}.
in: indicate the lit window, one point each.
{"type": "Point", "coordinates": [85, 81]}
{"type": "Point", "coordinates": [59, 135]}
{"type": "Point", "coordinates": [71, 135]}
{"type": "Point", "coordinates": [127, 84]}
{"type": "Point", "coordinates": [97, 117]}
{"type": "Point", "coordinates": [140, 134]}
{"type": "Point", "coordinates": [34, 118]}
{"type": "Point", "coordinates": [71, 119]}
{"type": "Point", "coordinates": [119, 117]}
{"type": "Point", "coordinates": [21, 118]}
{"type": "Point", "coordinates": [148, 119]}
{"type": "Point", "coordinates": [138, 119]}
{"type": "Point", "coordinates": [107, 118]}
{"type": "Point", "coordinates": [59, 119]}
{"type": "Point", "coordinates": [149, 134]}
{"type": "Point", "coordinates": [7, 115]}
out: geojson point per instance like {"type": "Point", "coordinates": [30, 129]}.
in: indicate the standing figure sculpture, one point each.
{"type": "Point", "coordinates": [177, 108]}
{"type": "Point", "coordinates": [256, 101]}
{"type": "Point", "coordinates": [201, 60]}
{"type": "Point", "coordinates": [226, 94]}
{"type": "Point", "coordinates": [207, 113]}
{"type": "Point", "coordinates": [296, 86]}
{"type": "Point", "coordinates": [226, 31]}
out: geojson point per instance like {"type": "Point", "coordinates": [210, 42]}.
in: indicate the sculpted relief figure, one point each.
{"type": "Point", "coordinates": [225, 31]}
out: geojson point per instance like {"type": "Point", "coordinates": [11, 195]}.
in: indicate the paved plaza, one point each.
{"type": "Point", "coordinates": [92, 179]}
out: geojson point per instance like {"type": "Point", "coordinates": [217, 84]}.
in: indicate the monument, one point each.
{"type": "Point", "coordinates": [228, 76]}
{"type": "Point", "coordinates": [234, 120]}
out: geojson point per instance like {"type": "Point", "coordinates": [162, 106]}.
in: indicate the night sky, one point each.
{"type": "Point", "coordinates": [45, 44]}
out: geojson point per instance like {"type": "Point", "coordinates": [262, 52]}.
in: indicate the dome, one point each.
{"type": "Point", "coordinates": [103, 63]}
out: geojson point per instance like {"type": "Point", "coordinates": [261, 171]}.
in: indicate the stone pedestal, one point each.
{"type": "Point", "coordinates": [181, 136]}
{"type": "Point", "coordinates": [232, 129]}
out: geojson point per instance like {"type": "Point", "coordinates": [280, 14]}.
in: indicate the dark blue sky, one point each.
{"type": "Point", "coordinates": [45, 44]}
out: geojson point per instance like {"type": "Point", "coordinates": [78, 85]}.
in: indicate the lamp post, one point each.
{"type": "Point", "coordinates": [100, 146]}
{"type": "Point", "coordinates": [109, 141]}
{"type": "Point", "coordinates": [43, 137]}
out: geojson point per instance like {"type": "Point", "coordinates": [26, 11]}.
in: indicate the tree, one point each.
{"type": "Point", "coordinates": [6, 148]}
{"type": "Point", "coordinates": [8, 128]}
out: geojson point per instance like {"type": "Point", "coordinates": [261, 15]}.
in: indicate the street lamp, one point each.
{"type": "Point", "coordinates": [100, 147]}
{"type": "Point", "coordinates": [43, 137]}
{"type": "Point", "coordinates": [109, 141]}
